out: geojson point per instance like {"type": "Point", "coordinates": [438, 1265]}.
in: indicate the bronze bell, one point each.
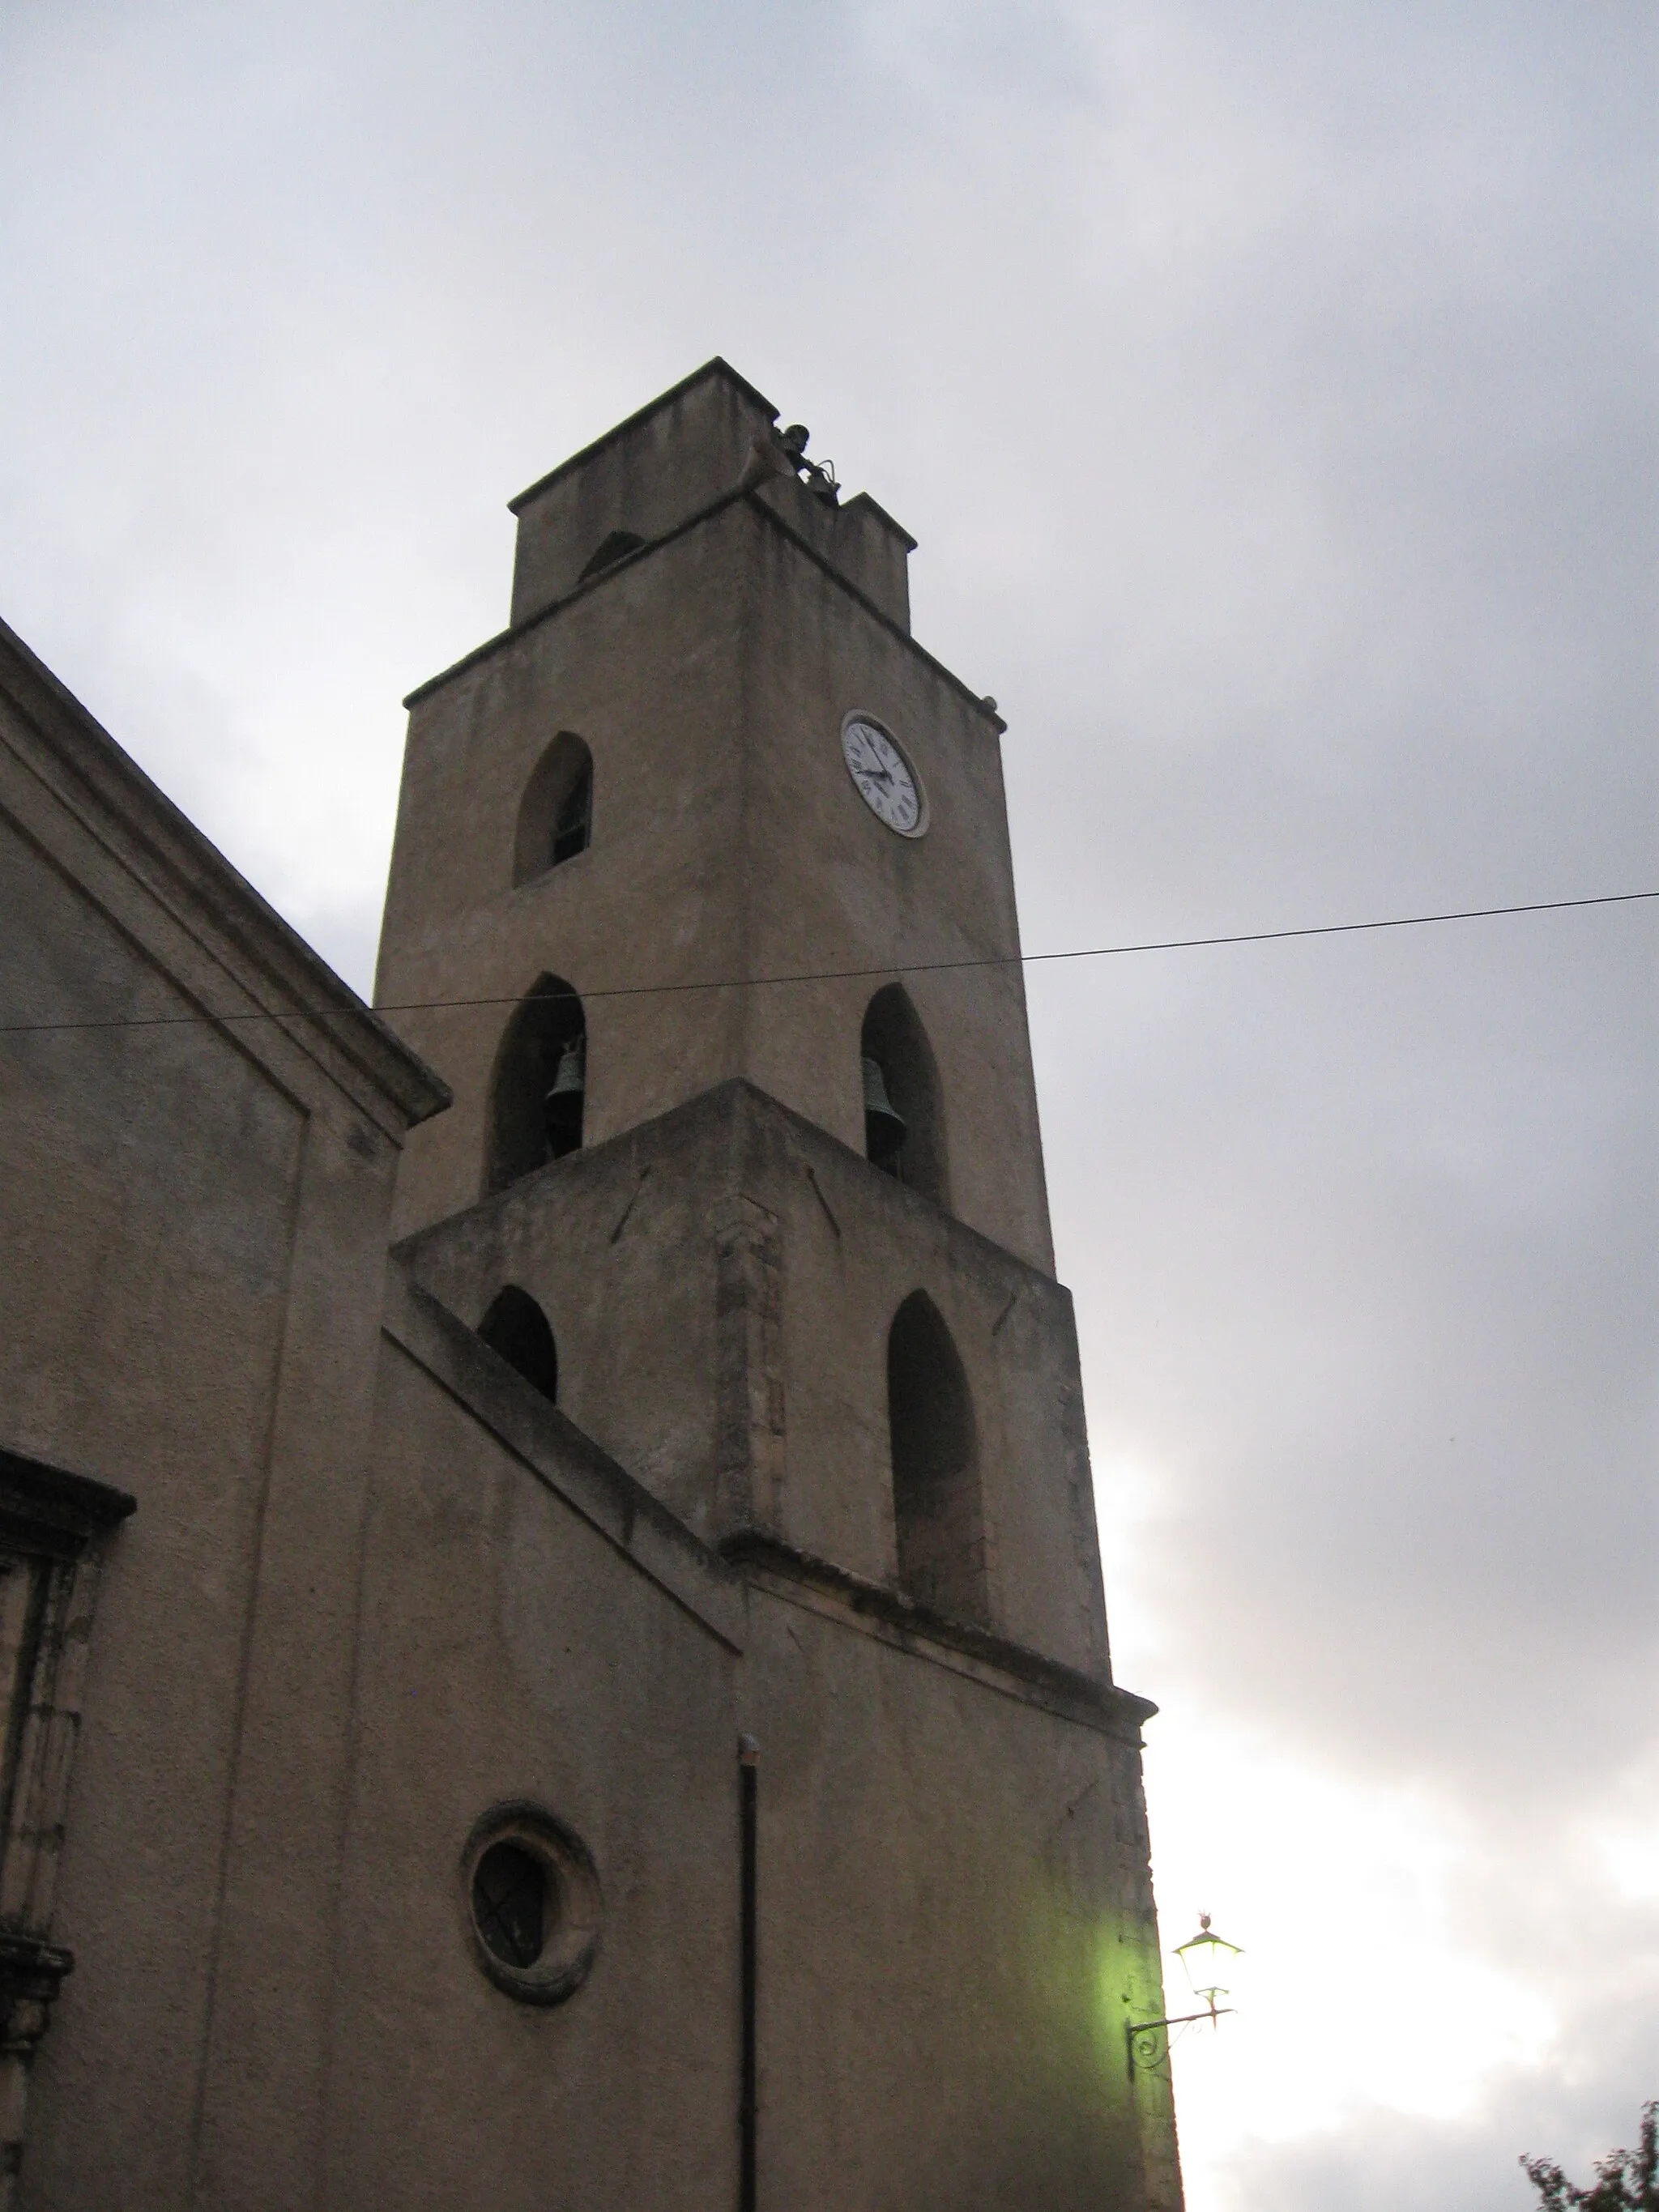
{"type": "Point", "coordinates": [884, 1125]}
{"type": "Point", "coordinates": [563, 1107]}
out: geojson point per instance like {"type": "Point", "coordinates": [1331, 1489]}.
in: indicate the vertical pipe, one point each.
{"type": "Point", "coordinates": [747, 1765]}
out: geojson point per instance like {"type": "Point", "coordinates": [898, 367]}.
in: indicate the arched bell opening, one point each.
{"type": "Point", "coordinates": [516, 1328]}
{"type": "Point", "coordinates": [937, 1516]}
{"type": "Point", "coordinates": [540, 1085]}
{"type": "Point", "coordinates": [556, 814]}
{"type": "Point", "coordinates": [903, 1113]}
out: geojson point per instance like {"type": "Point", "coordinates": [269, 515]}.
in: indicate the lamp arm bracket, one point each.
{"type": "Point", "coordinates": [1135, 2029]}
{"type": "Point", "coordinates": [1181, 2020]}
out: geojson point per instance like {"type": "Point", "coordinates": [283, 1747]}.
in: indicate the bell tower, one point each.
{"type": "Point", "coordinates": [642, 788]}
{"type": "Point", "coordinates": [702, 902]}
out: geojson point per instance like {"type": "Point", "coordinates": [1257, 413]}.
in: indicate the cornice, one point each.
{"type": "Point", "coordinates": [715, 367]}
{"type": "Point", "coordinates": [872, 506]}
{"type": "Point", "coordinates": [743, 493]}
{"type": "Point", "coordinates": [1012, 1668]}
{"type": "Point", "coordinates": [102, 786]}
{"type": "Point", "coordinates": [563, 1459]}
{"type": "Point", "coordinates": [60, 1510]}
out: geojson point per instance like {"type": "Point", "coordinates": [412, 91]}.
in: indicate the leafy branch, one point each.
{"type": "Point", "coordinates": [1626, 2180]}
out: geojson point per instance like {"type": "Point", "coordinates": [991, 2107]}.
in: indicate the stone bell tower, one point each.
{"type": "Point", "coordinates": [702, 901]}
{"type": "Point", "coordinates": [688, 654]}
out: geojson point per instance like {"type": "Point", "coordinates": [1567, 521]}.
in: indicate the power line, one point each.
{"type": "Point", "coordinates": [891, 967]}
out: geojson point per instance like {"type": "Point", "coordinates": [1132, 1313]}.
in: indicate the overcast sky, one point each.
{"type": "Point", "coordinates": [1271, 386]}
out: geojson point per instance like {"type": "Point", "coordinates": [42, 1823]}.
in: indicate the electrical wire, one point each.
{"type": "Point", "coordinates": [891, 967]}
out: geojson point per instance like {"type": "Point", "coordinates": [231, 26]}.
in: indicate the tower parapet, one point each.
{"type": "Point", "coordinates": [655, 473]}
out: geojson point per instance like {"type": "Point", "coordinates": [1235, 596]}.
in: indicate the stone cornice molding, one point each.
{"type": "Point", "coordinates": [564, 1459]}
{"type": "Point", "coordinates": [57, 1511]}
{"type": "Point", "coordinates": [282, 983]}
{"type": "Point", "coordinates": [742, 494]}
{"type": "Point", "coordinates": [823, 1588]}
{"type": "Point", "coordinates": [715, 367]}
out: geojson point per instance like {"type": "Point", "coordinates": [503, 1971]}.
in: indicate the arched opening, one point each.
{"type": "Point", "coordinates": [903, 1114]}
{"type": "Point", "coordinates": [936, 1512]}
{"type": "Point", "coordinates": [611, 549]}
{"type": "Point", "coordinates": [556, 814]}
{"type": "Point", "coordinates": [516, 1328]}
{"type": "Point", "coordinates": [540, 1083]}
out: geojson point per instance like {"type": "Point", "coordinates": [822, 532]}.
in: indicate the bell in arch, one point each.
{"type": "Point", "coordinates": [562, 1108]}
{"type": "Point", "coordinates": [884, 1125]}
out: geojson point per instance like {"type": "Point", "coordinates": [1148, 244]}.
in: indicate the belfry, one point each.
{"type": "Point", "coordinates": [615, 1523]}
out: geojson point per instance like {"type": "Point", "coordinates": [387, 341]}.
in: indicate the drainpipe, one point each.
{"type": "Point", "coordinates": [748, 2103]}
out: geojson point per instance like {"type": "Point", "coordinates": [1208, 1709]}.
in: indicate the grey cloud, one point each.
{"type": "Point", "coordinates": [1271, 389]}
{"type": "Point", "coordinates": [1379, 2161]}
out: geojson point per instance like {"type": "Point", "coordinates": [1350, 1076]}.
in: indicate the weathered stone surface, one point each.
{"type": "Point", "coordinates": [385, 1608]}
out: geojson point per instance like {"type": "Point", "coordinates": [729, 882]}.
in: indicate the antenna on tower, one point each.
{"type": "Point", "coordinates": [819, 477]}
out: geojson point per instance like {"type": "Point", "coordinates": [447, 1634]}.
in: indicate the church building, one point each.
{"type": "Point", "coordinates": [551, 1615]}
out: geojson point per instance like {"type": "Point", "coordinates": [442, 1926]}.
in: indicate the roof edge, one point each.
{"type": "Point", "coordinates": [294, 969]}
{"type": "Point", "coordinates": [563, 1458]}
{"type": "Point", "coordinates": [715, 366]}
{"type": "Point", "coordinates": [874, 506]}
{"type": "Point", "coordinates": [1064, 1689]}
{"type": "Point", "coordinates": [75, 1505]}
{"type": "Point", "coordinates": [742, 494]}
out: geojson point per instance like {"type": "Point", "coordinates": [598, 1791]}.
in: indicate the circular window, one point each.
{"type": "Point", "coordinates": [533, 1903]}
{"type": "Point", "coordinates": [509, 1904]}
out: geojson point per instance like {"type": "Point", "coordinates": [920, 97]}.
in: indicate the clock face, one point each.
{"type": "Point", "coordinates": [885, 778]}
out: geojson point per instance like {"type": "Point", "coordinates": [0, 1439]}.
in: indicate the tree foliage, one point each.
{"type": "Point", "coordinates": [1626, 2180]}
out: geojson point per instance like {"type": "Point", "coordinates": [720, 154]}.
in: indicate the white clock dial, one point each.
{"type": "Point", "coordinates": [886, 782]}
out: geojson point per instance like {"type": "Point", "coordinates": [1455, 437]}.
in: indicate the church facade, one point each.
{"type": "Point", "coordinates": [553, 1628]}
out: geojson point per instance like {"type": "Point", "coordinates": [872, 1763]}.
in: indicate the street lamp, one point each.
{"type": "Point", "coordinates": [1207, 1959]}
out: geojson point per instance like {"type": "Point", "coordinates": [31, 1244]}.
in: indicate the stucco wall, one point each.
{"type": "Point", "coordinates": [710, 679]}
{"type": "Point", "coordinates": [834, 889]}
{"type": "Point", "coordinates": [680, 453]}
{"type": "Point", "coordinates": [195, 1182]}
{"type": "Point", "coordinates": [376, 1585]}
{"type": "Point", "coordinates": [956, 1920]}
{"type": "Point", "coordinates": [720, 1284]}
{"type": "Point", "coordinates": [146, 1200]}
{"type": "Point", "coordinates": [647, 670]}
{"type": "Point", "coordinates": [956, 1912]}
{"type": "Point", "coordinates": [511, 1651]}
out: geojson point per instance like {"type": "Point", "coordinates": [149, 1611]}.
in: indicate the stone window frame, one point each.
{"type": "Point", "coordinates": [575, 1902]}
{"type": "Point", "coordinates": [555, 821]}
{"type": "Point", "coordinates": [53, 1525]}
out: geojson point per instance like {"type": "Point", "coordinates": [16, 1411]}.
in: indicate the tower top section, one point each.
{"type": "Point", "coordinates": [707, 757]}
{"type": "Point", "coordinates": [698, 445]}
